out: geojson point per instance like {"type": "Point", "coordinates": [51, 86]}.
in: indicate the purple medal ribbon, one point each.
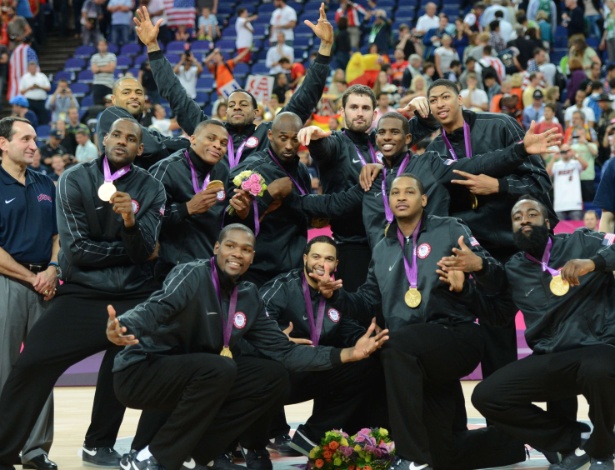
{"type": "Point", "coordinates": [110, 177]}
{"type": "Point", "coordinates": [195, 178]}
{"type": "Point", "coordinates": [302, 191]}
{"type": "Point", "coordinates": [466, 138]}
{"type": "Point", "coordinates": [545, 259]}
{"type": "Point", "coordinates": [385, 198]}
{"type": "Point", "coordinates": [227, 327]}
{"type": "Point", "coordinates": [412, 273]}
{"type": "Point", "coordinates": [315, 328]}
{"type": "Point", "coordinates": [372, 153]}
{"type": "Point", "coordinates": [233, 159]}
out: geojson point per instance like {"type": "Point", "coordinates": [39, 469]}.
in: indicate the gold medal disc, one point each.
{"type": "Point", "coordinates": [226, 352]}
{"type": "Point", "coordinates": [106, 190]}
{"type": "Point", "coordinates": [559, 286]}
{"type": "Point", "coordinates": [413, 297]}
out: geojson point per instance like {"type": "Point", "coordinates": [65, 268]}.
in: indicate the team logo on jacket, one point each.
{"type": "Point", "coordinates": [135, 206]}
{"type": "Point", "coordinates": [239, 320]}
{"type": "Point", "coordinates": [162, 211]}
{"type": "Point", "coordinates": [474, 241]}
{"type": "Point", "coordinates": [333, 315]}
{"type": "Point", "coordinates": [379, 156]}
{"type": "Point", "coordinates": [44, 197]}
{"type": "Point", "coordinates": [609, 238]}
{"type": "Point", "coordinates": [252, 142]}
{"type": "Point", "coordinates": [423, 250]}
{"type": "Point", "coordinates": [220, 195]}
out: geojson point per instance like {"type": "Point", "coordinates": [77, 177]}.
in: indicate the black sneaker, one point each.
{"type": "Point", "coordinates": [104, 457]}
{"type": "Point", "coordinates": [150, 464]}
{"type": "Point", "coordinates": [224, 462]}
{"type": "Point", "coordinates": [301, 443]}
{"type": "Point", "coordinates": [597, 464]}
{"type": "Point", "coordinates": [281, 445]}
{"type": "Point", "coordinates": [258, 459]}
{"type": "Point", "coordinates": [572, 461]}
{"type": "Point", "coordinates": [129, 461]}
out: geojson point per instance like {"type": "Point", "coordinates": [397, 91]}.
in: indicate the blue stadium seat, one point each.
{"type": "Point", "coordinates": [74, 65]}
{"type": "Point", "coordinates": [64, 75]}
{"type": "Point", "coordinates": [207, 109]}
{"type": "Point", "coordinates": [173, 58]}
{"type": "Point", "coordinates": [140, 59]}
{"type": "Point", "coordinates": [131, 49]}
{"type": "Point", "coordinates": [265, 9]}
{"type": "Point", "coordinates": [241, 68]}
{"type": "Point", "coordinates": [201, 47]}
{"type": "Point", "coordinates": [202, 98]}
{"type": "Point", "coordinates": [123, 62]}
{"type": "Point", "coordinates": [85, 76]}
{"type": "Point", "coordinates": [226, 44]}
{"type": "Point", "coordinates": [302, 41]}
{"type": "Point", "coordinates": [261, 30]}
{"type": "Point", "coordinates": [205, 82]}
{"type": "Point", "coordinates": [87, 101]}
{"type": "Point", "coordinates": [84, 52]}
{"type": "Point", "coordinates": [260, 68]}
{"type": "Point", "coordinates": [113, 48]}
{"type": "Point", "coordinates": [43, 131]}
{"type": "Point", "coordinates": [176, 47]}
{"type": "Point", "coordinates": [80, 89]}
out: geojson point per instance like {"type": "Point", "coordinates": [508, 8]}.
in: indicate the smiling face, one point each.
{"type": "Point", "coordinates": [358, 113]}
{"type": "Point", "coordinates": [321, 255]}
{"type": "Point", "coordinates": [406, 198]}
{"type": "Point", "coordinates": [123, 142]}
{"type": "Point", "coordinates": [446, 105]}
{"type": "Point", "coordinates": [235, 253]}
{"type": "Point", "coordinates": [391, 138]}
{"type": "Point", "coordinates": [128, 94]}
{"type": "Point", "coordinates": [210, 142]}
{"type": "Point", "coordinates": [241, 110]}
{"type": "Point", "coordinates": [20, 148]}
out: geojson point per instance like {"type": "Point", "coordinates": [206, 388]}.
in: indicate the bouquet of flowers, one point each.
{"type": "Point", "coordinates": [373, 448]}
{"type": "Point", "coordinates": [333, 452]}
{"type": "Point", "coordinates": [251, 182]}
{"type": "Point", "coordinates": [369, 449]}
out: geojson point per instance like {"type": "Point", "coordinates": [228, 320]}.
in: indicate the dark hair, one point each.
{"type": "Point", "coordinates": [207, 122]}
{"type": "Point", "coordinates": [342, 23]}
{"type": "Point", "coordinates": [538, 50]}
{"type": "Point", "coordinates": [595, 85]}
{"type": "Point", "coordinates": [382, 93]}
{"type": "Point", "coordinates": [445, 83]}
{"type": "Point", "coordinates": [487, 50]}
{"type": "Point", "coordinates": [541, 206]}
{"type": "Point", "coordinates": [395, 115]}
{"type": "Point", "coordinates": [131, 121]}
{"type": "Point", "coordinates": [610, 67]}
{"type": "Point", "coordinates": [495, 24]}
{"type": "Point", "coordinates": [6, 126]}
{"type": "Point", "coordinates": [499, 14]}
{"type": "Point", "coordinates": [490, 74]}
{"type": "Point", "coordinates": [241, 90]}
{"type": "Point", "coordinates": [454, 63]}
{"type": "Point", "coordinates": [419, 183]}
{"type": "Point", "coordinates": [241, 10]}
{"type": "Point", "coordinates": [284, 60]}
{"type": "Point", "coordinates": [551, 106]}
{"type": "Point", "coordinates": [229, 228]}
{"type": "Point", "coordinates": [359, 90]}
{"type": "Point", "coordinates": [320, 239]}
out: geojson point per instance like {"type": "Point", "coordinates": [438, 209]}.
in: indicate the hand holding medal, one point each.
{"type": "Point", "coordinates": [559, 285]}
{"type": "Point", "coordinates": [108, 189]}
{"type": "Point", "coordinates": [576, 268]}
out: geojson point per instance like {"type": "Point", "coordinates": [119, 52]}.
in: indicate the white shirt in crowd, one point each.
{"type": "Point", "coordinates": [426, 22]}
{"type": "Point", "coordinates": [275, 53]}
{"type": "Point", "coordinates": [245, 35]}
{"type": "Point", "coordinates": [567, 186]}
{"type": "Point", "coordinates": [188, 79]}
{"type": "Point", "coordinates": [87, 152]}
{"type": "Point", "coordinates": [479, 97]}
{"type": "Point", "coordinates": [40, 79]}
{"type": "Point", "coordinates": [280, 17]}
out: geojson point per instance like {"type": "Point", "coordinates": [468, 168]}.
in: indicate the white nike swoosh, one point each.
{"type": "Point", "coordinates": [8, 201]}
{"type": "Point", "coordinates": [124, 467]}
{"type": "Point", "coordinates": [417, 467]}
{"type": "Point", "coordinates": [378, 194]}
{"type": "Point", "coordinates": [529, 291]}
{"type": "Point", "coordinates": [304, 317]}
{"type": "Point", "coordinates": [212, 313]}
{"type": "Point", "coordinates": [189, 464]}
{"type": "Point", "coordinates": [99, 208]}
{"type": "Point", "coordinates": [356, 160]}
{"type": "Point", "coordinates": [89, 452]}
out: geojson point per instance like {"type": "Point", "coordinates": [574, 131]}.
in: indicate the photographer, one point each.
{"type": "Point", "coordinates": [604, 127]}
{"type": "Point", "coordinates": [60, 101]}
{"type": "Point", "coordinates": [188, 70]}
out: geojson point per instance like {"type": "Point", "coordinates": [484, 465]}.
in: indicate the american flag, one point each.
{"type": "Point", "coordinates": [180, 12]}
{"type": "Point", "coordinates": [18, 66]}
{"type": "Point", "coordinates": [609, 238]}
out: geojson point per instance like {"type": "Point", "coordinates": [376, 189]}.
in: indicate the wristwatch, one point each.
{"type": "Point", "coordinates": [58, 268]}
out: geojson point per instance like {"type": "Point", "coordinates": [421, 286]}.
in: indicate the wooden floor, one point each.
{"type": "Point", "coordinates": [72, 416]}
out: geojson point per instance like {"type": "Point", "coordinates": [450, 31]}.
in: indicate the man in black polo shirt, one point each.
{"type": "Point", "coordinates": [52, 147]}
{"type": "Point", "coordinates": [109, 217]}
{"type": "Point", "coordinates": [28, 263]}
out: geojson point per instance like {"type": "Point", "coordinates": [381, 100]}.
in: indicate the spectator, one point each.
{"type": "Point", "coordinates": [188, 70]}
{"type": "Point", "coordinates": [91, 16]}
{"type": "Point", "coordinates": [223, 70]}
{"type": "Point", "coordinates": [72, 126]}
{"type": "Point", "coordinates": [17, 27]}
{"type": "Point", "coordinates": [455, 72]}
{"type": "Point", "coordinates": [549, 120]}
{"type": "Point", "coordinates": [4, 67]}
{"type": "Point", "coordinates": [591, 101]}
{"type": "Point", "coordinates": [60, 101]}
{"type": "Point", "coordinates": [535, 111]}
{"type": "Point", "coordinates": [280, 87]}
{"type": "Point", "coordinates": [579, 49]}
{"type": "Point", "coordinates": [406, 41]}
{"type": "Point", "coordinates": [432, 39]}
{"type": "Point", "coordinates": [489, 15]}
{"type": "Point", "coordinates": [533, 85]}
{"type": "Point", "coordinates": [162, 123]}
{"type": "Point", "coordinates": [86, 150]}
{"type": "Point", "coordinates": [590, 220]}
{"type": "Point", "coordinates": [605, 198]}
{"type": "Point", "coordinates": [444, 55]}
{"type": "Point", "coordinates": [565, 171]}
{"type": "Point", "coordinates": [36, 164]}
{"type": "Point", "coordinates": [473, 18]}
{"type": "Point", "coordinates": [552, 95]}
{"type": "Point", "coordinates": [21, 109]}
{"type": "Point", "coordinates": [341, 46]}
{"type": "Point", "coordinates": [461, 38]}
{"type": "Point", "coordinates": [220, 110]}
{"type": "Point", "coordinates": [546, 32]}
{"type": "Point", "coordinates": [102, 65]}
{"type": "Point", "coordinates": [208, 26]}
{"type": "Point", "coordinates": [427, 21]}
{"type": "Point", "coordinates": [429, 73]}
{"type": "Point", "coordinates": [146, 79]}
{"type": "Point", "coordinates": [121, 20]}
{"type": "Point", "coordinates": [53, 147]}
{"type": "Point", "coordinates": [383, 107]}
{"type": "Point", "coordinates": [415, 64]}
{"type": "Point", "coordinates": [602, 126]}
{"type": "Point", "coordinates": [148, 112]}
{"type": "Point", "coordinates": [540, 63]}
{"type": "Point", "coordinates": [496, 40]}
{"type": "Point", "coordinates": [398, 67]}
{"type": "Point", "coordinates": [573, 18]}
{"type": "Point", "coordinates": [506, 29]}
{"type": "Point", "coordinates": [579, 97]}
{"type": "Point", "coordinates": [492, 87]}
{"type": "Point", "coordinates": [351, 11]}
{"type": "Point", "coordinates": [489, 61]}
{"type": "Point", "coordinates": [283, 18]}
{"type": "Point", "coordinates": [380, 31]}
{"type": "Point", "coordinates": [296, 70]}
{"type": "Point", "coordinates": [245, 33]}
{"type": "Point", "coordinates": [608, 37]}
{"type": "Point", "coordinates": [473, 97]}
{"type": "Point", "coordinates": [276, 52]}
{"type": "Point", "coordinates": [525, 46]}
{"type": "Point", "coordinates": [583, 141]}
{"type": "Point", "coordinates": [470, 68]}
{"type": "Point", "coordinates": [549, 10]}
{"type": "Point", "coordinates": [577, 77]}
{"type": "Point", "coordinates": [35, 85]}
{"type": "Point", "coordinates": [57, 167]}
{"type": "Point", "coordinates": [157, 13]}
{"type": "Point", "coordinates": [592, 13]}
{"type": "Point", "coordinates": [610, 76]}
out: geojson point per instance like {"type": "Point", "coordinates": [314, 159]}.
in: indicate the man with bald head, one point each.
{"type": "Point", "coordinates": [109, 217]}
{"type": "Point", "coordinates": [128, 98]}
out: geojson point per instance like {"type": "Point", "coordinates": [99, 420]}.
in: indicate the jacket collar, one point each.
{"type": "Point", "coordinates": [457, 134]}
{"type": "Point", "coordinates": [201, 167]}
{"type": "Point", "coordinates": [392, 230]}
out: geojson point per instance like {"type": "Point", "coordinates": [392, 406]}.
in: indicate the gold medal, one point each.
{"type": "Point", "coordinates": [413, 297]}
{"type": "Point", "coordinates": [226, 352]}
{"type": "Point", "coordinates": [106, 190]}
{"type": "Point", "coordinates": [559, 286]}
{"type": "Point", "coordinates": [474, 202]}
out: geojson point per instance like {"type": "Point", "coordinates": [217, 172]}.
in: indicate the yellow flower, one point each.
{"type": "Point", "coordinates": [344, 442]}
{"type": "Point", "coordinates": [383, 432]}
{"type": "Point", "coordinates": [314, 452]}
